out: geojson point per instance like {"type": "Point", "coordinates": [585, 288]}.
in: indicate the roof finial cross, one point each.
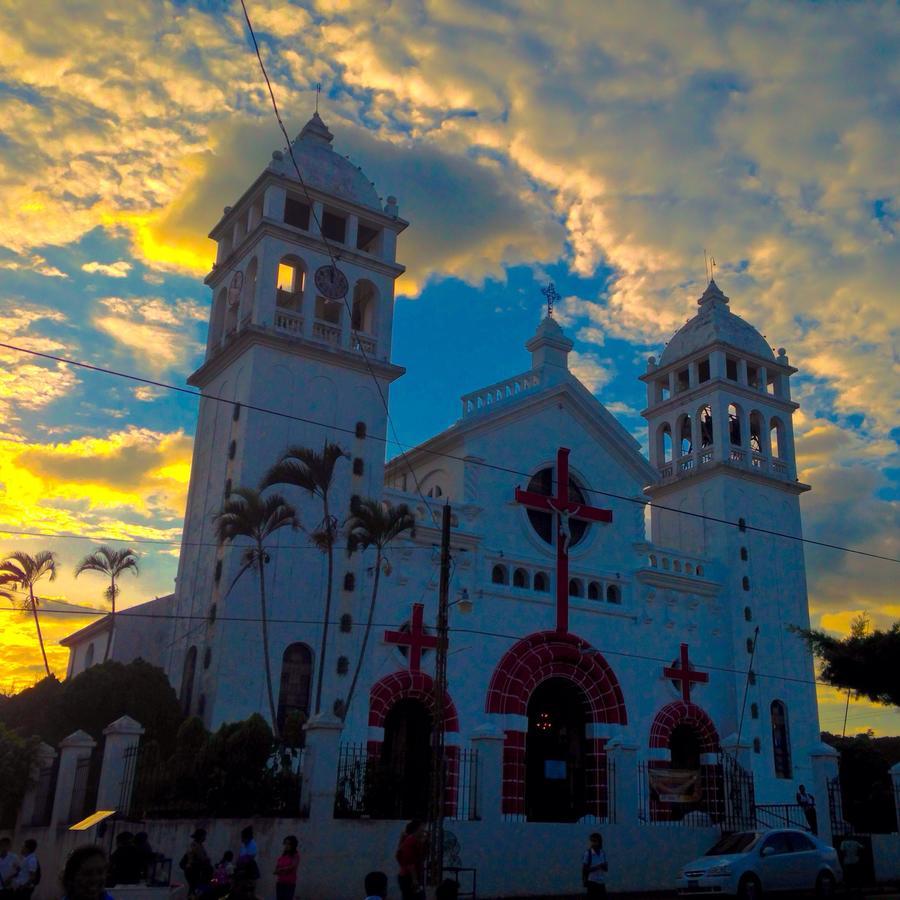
{"type": "Point", "coordinates": [552, 296]}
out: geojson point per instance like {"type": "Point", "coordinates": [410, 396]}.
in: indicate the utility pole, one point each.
{"type": "Point", "coordinates": [438, 771]}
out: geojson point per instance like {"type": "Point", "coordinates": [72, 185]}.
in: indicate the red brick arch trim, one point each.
{"type": "Point", "coordinates": [681, 713]}
{"type": "Point", "coordinates": [550, 654]}
{"type": "Point", "coordinates": [407, 685]}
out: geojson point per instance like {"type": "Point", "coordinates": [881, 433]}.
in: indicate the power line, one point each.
{"type": "Point", "coordinates": [481, 463]}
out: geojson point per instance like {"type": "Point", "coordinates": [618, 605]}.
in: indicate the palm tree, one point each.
{"type": "Point", "coordinates": [111, 563]}
{"type": "Point", "coordinates": [23, 571]}
{"type": "Point", "coordinates": [374, 524]}
{"type": "Point", "coordinates": [246, 513]}
{"type": "Point", "coordinates": [313, 472]}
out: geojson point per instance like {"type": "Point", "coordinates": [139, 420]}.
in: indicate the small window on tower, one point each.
{"type": "Point", "coordinates": [296, 213]}
{"type": "Point", "coordinates": [748, 614]}
{"type": "Point", "coordinates": [682, 381]}
{"type": "Point", "coordinates": [613, 594]}
{"type": "Point", "coordinates": [750, 645]}
{"type": "Point", "coordinates": [328, 310]}
{"type": "Point", "coordinates": [358, 466]}
{"type": "Point", "coordinates": [541, 582]}
{"type": "Point", "coordinates": [576, 588]}
{"type": "Point", "coordinates": [594, 591]}
{"type": "Point", "coordinates": [499, 575]}
{"type": "Point", "coordinates": [346, 622]}
{"type": "Point", "coordinates": [745, 583]}
{"type": "Point", "coordinates": [754, 711]}
{"type": "Point", "coordinates": [236, 413]}
{"type": "Point", "coordinates": [757, 745]}
{"type": "Point", "coordinates": [744, 554]}
{"type": "Point", "coordinates": [703, 370]}
{"type": "Point", "coordinates": [360, 430]}
{"type": "Point", "coordinates": [343, 665]}
{"type": "Point", "coordinates": [367, 238]}
{"type": "Point", "coordinates": [232, 449]}
{"type": "Point", "coordinates": [752, 376]}
{"type": "Point", "coordinates": [731, 368]}
{"type": "Point", "coordinates": [520, 578]}
{"type": "Point", "coordinates": [334, 227]}
{"type": "Point", "coordinates": [662, 389]}
{"type": "Point", "coordinates": [349, 581]}
{"type": "Point", "coordinates": [742, 524]}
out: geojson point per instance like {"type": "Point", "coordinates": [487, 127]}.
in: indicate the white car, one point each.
{"type": "Point", "coordinates": [748, 863]}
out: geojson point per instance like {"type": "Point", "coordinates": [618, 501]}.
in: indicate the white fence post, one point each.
{"type": "Point", "coordinates": [121, 735]}
{"type": "Point", "coordinates": [487, 740]}
{"type": "Point", "coordinates": [622, 757]}
{"type": "Point", "coordinates": [824, 761]}
{"type": "Point", "coordinates": [320, 765]}
{"type": "Point", "coordinates": [43, 759]}
{"type": "Point", "coordinates": [72, 749]}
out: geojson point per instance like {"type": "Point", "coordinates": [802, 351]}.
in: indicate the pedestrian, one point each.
{"type": "Point", "coordinates": [9, 866]}
{"type": "Point", "coordinates": [594, 867]}
{"type": "Point", "coordinates": [29, 875]}
{"type": "Point", "coordinates": [196, 865]}
{"type": "Point", "coordinates": [243, 886]}
{"type": "Point", "coordinates": [808, 805]}
{"type": "Point", "coordinates": [286, 869]}
{"type": "Point", "coordinates": [84, 874]}
{"type": "Point", "coordinates": [411, 853]}
{"type": "Point", "coordinates": [223, 875]}
{"type": "Point", "coordinates": [851, 862]}
{"type": "Point", "coordinates": [125, 862]}
{"type": "Point", "coordinates": [376, 885]}
{"type": "Point", "coordinates": [247, 851]}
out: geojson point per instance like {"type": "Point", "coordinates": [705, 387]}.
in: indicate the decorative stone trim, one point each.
{"type": "Point", "coordinates": [681, 713]}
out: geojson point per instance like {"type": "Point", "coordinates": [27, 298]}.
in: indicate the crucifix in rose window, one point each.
{"type": "Point", "coordinates": [564, 511]}
{"type": "Point", "coordinates": [685, 674]}
{"type": "Point", "coordinates": [416, 638]}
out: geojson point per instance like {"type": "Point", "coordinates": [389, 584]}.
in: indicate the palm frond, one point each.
{"type": "Point", "coordinates": [377, 524]}
{"type": "Point", "coordinates": [307, 469]}
{"type": "Point", "coordinates": [109, 562]}
{"type": "Point", "coordinates": [25, 569]}
{"type": "Point", "coordinates": [246, 513]}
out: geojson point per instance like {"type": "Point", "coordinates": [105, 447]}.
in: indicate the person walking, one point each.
{"type": "Point", "coordinates": [286, 869]}
{"type": "Point", "coordinates": [247, 852]}
{"type": "Point", "coordinates": [196, 865]}
{"type": "Point", "coordinates": [594, 867]}
{"type": "Point", "coordinates": [376, 885]}
{"type": "Point", "coordinates": [84, 874]}
{"type": "Point", "coordinates": [411, 853]}
{"type": "Point", "coordinates": [808, 805]}
{"type": "Point", "coordinates": [9, 866]}
{"type": "Point", "coordinates": [29, 875]}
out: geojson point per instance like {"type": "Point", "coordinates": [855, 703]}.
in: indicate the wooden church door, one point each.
{"type": "Point", "coordinates": [555, 753]}
{"type": "Point", "coordinates": [406, 759]}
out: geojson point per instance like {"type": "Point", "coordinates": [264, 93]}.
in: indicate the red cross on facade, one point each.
{"type": "Point", "coordinates": [564, 510]}
{"type": "Point", "coordinates": [415, 638]}
{"type": "Point", "coordinates": [685, 674]}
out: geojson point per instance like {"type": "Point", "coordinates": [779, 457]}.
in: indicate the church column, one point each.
{"type": "Point", "coordinates": [717, 364]}
{"type": "Point", "coordinates": [352, 231]}
{"type": "Point", "coordinates": [721, 436]}
{"type": "Point", "coordinates": [744, 418]}
{"type": "Point", "coordinates": [266, 282]}
{"type": "Point", "coordinates": [273, 202]}
{"type": "Point", "coordinates": [488, 742]}
{"type": "Point", "coordinates": [742, 371]}
{"type": "Point", "coordinates": [316, 219]}
{"type": "Point", "coordinates": [624, 801]}
{"type": "Point", "coordinates": [693, 375]}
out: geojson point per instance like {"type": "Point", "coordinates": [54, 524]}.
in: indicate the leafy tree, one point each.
{"type": "Point", "coordinates": [22, 571]}
{"type": "Point", "coordinates": [91, 700]}
{"type": "Point", "coordinates": [373, 524]}
{"type": "Point", "coordinates": [246, 513]}
{"type": "Point", "coordinates": [111, 563]}
{"type": "Point", "coordinates": [16, 755]}
{"type": "Point", "coordinates": [864, 662]}
{"type": "Point", "coordinates": [313, 472]}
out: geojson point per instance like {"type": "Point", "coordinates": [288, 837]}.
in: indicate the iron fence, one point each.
{"type": "Point", "coordinates": [839, 826]}
{"type": "Point", "coordinates": [370, 786]}
{"type": "Point", "coordinates": [780, 815]}
{"type": "Point", "coordinates": [85, 785]}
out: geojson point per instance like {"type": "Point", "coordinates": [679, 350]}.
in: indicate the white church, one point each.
{"type": "Point", "coordinates": [590, 624]}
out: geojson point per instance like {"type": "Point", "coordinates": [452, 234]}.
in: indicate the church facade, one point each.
{"type": "Point", "coordinates": [590, 621]}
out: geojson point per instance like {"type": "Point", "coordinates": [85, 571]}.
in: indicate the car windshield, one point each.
{"type": "Point", "coordinates": [740, 842]}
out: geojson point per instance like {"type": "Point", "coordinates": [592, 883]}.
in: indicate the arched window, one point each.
{"type": "Point", "coordinates": [187, 680]}
{"type": "Point", "coordinates": [776, 438]}
{"type": "Point", "coordinates": [499, 575]}
{"type": "Point", "coordinates": [89, 656]}
{"type": "Point", "coordinates": [665, 444]}
{"type": "Point", "coordinates": [756, 431]}
{"type": "Point", "coordinates": [705, 417]}
{"type": "Point", "coordinates": [541, 582]}
{"type": "Point", "coordinates": [781, 741]}
{"type": "Point", "coordinates": [290, 284]}
{"type": "Point", "coordinates": [365, 304]}
{"type": "Point", "coordinates": [594, 591]}
{"type": "Point", "coordinates": [576, 588]}
{"type": "Point", "coordinates": [296, 675]}
{"type": "Point", "coordinates": [520, 578]}
{"type": "Point", "coordinates": [684, 436]}
{"type": "Point", "coordinates": [349, 581]}
{"type": "Point", "coordinates": [613, 594]}
{"type": "Point", "coordinates": [734, 425]}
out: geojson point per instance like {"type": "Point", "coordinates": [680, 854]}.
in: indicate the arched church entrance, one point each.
{"type": "Point", "coordinates": [556, 753]}
{"type": "Point", "coordinates": [406, 759]}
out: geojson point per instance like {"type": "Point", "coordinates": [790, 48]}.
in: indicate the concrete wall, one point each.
{"type": "Point", "coordinates": [514, 860]}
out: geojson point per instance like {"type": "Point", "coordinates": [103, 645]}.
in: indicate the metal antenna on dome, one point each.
{"type": "Point", "coordinates": [712, 268]}
{"type": "Point", "coordinates": [706, 265]}
{"type": "Point", "coordinates": [318, 91]}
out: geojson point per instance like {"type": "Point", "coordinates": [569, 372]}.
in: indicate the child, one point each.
{"type": "Point", "coordinates": [286, 869]}
{"type": "Point", "coordinates": [594, 867]}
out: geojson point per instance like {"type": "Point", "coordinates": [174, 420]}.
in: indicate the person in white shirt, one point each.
{"type": "Point", "coordinates": [9, 866]}
{"type": "Point", "coordinates": [376, 885]}
{"type": "Point", "coordinates": [29, 873]}
{"type": "Point", "coordinates": [594, 867]}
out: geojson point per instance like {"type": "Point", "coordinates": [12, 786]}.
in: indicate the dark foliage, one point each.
{"type": "Point", "coordinates": [16, 754]}
{"type": "Point", "coordinates": [866, 787]}
{"type": "Point", "coordinates": [90, 701]}
{"type": "Point", "coordinates": [864, 663]}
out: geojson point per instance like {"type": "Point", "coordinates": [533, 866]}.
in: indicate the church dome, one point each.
{"type": "Point", "coordinates": [715, 323]}
{"type": "Point", "coordinates": [324, 169]}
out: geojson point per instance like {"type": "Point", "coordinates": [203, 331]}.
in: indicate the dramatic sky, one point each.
{"type": "Point", "coordinates": [603, 145]}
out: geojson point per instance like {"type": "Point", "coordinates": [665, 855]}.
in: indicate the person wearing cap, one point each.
{"type": "Point", "coordinates": [196, 864]}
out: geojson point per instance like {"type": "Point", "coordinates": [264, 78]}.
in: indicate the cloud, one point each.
{"type": "Point", "coordinates": [119, 269]}
{"type": "Point", "coordinates": [590, 370]}
{"type": "Point", "coordinates": [32, 263]}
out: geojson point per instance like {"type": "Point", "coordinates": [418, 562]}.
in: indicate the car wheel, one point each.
{"type": "Point", "coordinates": [749, 888]}
{"type": "Point", "coordinates": [825, 885]}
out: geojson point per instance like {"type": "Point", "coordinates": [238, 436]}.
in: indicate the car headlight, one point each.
{"type": "Point", "coordinates": [723, 869]}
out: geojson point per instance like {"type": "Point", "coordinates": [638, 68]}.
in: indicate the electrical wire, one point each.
{"type": "Point", "coordinates": [481, 463]}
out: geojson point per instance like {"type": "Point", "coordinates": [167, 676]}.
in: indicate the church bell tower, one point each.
{"type": "Point", "coordinates": [299, 352]}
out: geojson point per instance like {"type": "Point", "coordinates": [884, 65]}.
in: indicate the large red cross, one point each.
{"type": "Point", "coordinates": [415, 638]}
{"type": "Point", "coordinates": [563, 510]}
{"type": "Point", "coordinates": [685, 674]}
